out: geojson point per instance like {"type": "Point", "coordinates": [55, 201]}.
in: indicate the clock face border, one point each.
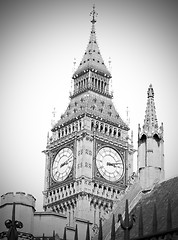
{"type": "Point", "coordinates": [110, 164]}
{"type": "Point", "coordinates": [62, 164]}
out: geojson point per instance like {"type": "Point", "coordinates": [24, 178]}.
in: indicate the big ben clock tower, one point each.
{"type": "Point", "coordinates": [89, 156]}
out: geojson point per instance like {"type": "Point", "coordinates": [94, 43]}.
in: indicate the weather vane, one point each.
{"type": "Point", "coordinates": [94, 14]}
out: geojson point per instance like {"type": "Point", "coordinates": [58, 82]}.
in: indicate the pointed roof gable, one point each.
{"type": "Point", "coordinates": [150, 120]}
{"type": "Point", "coordinates": [92, 58]}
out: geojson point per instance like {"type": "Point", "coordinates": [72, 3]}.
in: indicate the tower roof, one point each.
{"type": "Point", "coordinates": [89, 104]}
{"type": "Point", "coordinates": [150, 120]}
{"type": "Point", "coordinates": [92, 58]}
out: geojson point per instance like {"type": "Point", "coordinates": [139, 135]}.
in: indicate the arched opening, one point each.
{"type": "Point", "coordinates": [80, 125]}
{"type": "Point", "coordinates": [95, 83]}
{"type": "Point", "coordinates": [102, 86]}
{"type": "Point", "coordinates": [142, 139]}
{"type": "Point", "coordinates": [156, 138]}
{"type": "Point", "coordinates": [114, 133]}
{"type": "Point", "coordinates": [98, 84]}
{"type": "Point", "coordinates": [119, 134]}
{"type": "Point", "coordinates": [101, 127]}
{"type": "Point", "coordinates": [105, 86]}
{"type": "Point", "coordinates": [105, 129]}
{"type": "Point", "coordinates": [97, 126]}
{"type": "Point", "coordinates": [110, 131]}
{"type": "Point", "coordinates": [69, 129]}
{"type": "Point", "coordinates": [92, 126]}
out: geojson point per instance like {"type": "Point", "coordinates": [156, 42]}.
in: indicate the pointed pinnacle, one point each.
{"type": "Point", "coordinates": [13, 214]}
{"type": "Point", "coordinates": [169, 216]}
{"type": "Point", "coordinates": [140, 227]}
{"type": "Point", "coordinates": [113, 229]}
{"type": "Point", "coordinates": [155, 219]}
{"type": "Point", "coordinates": [88, 232]}
{"type": "Point", "coordinates": [126, 214]}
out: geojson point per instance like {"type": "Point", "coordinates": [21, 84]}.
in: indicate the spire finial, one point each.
{"type": "Point", "coordinates": [94, 14]}
{"type": "Point", "coordinates": [54, 112]}
{"type": "Point", "coordinates": [150, 91]}
{"type": "Point", "coordinates": [53, 120]}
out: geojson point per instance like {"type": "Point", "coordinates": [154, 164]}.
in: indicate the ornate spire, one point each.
{"type": "Point", "coordinates": [150, 113]}
{"type": "Point", "coordinates": [92, 59]}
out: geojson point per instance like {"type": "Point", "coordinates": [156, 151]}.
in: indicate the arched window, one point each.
{"type": "Point", "coordinates": [69, 129]}
{"type": "Point", "coordinates": [110, 131]}
{"type": "Point", "coordinates": [98, 84]}
{"type": "Point", "coordinates": [105, 86]}
{"type": "Point", "coordinates": [97, 126]}
{"type": "Point", "coordinates": [95, 83]}
{"type": "Point", "coordinates": [92, 126]}
{"type": "Point", "coordinates": [106, 129]}
{"type": "Point", "coordinates": [119, 134]}
{"type": "Point", "coordinates": [102, 86]}
{"type": "Point", "coordinates": [114, 133]}
{"type": "Point", "coordinates": [80, 125]}
{"type": "Point", "coordinates": [101, 127]}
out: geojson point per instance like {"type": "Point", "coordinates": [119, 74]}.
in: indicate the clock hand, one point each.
{"type": "Point", "coordinates": [66, 162]}
{"type": "Point", "coordinates": [112, 164]}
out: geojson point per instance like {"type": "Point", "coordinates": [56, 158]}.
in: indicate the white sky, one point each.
{"type": "Point", "coordinates": [39, 40]}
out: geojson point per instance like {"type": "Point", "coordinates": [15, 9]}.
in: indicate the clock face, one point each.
{"type": "Point", "coordinates": [62, 164]}
{"type": "Point", "coordinates": [109, 164]}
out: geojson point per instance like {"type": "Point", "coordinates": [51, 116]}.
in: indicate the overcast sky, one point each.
{"type": "Point", "coordinates": [40, 39]}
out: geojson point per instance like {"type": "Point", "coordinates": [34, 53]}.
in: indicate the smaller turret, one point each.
{"type": "Point", "coordinates": [150, 146]}
{"type": "Point", "coordinates": [24, 210]}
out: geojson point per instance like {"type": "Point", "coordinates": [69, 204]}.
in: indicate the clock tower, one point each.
{"type": "Point", "coordinates": [88, 156]}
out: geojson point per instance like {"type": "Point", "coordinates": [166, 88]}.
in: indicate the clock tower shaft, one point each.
{"type": "Point", "coordinates": [92, 129]}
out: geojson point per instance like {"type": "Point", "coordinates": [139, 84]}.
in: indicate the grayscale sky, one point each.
{"type": "Point", "coordinates": [38, 42]}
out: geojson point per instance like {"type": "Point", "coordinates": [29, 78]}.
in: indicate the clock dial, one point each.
{"type": "Point", "coordinates": [62, 164]}
{"type": "Point", "coordinates": [109, 164]}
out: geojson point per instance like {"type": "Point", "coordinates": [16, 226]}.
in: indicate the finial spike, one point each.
{"type": "Point", "coordinates": [53, 120]}
{"type": "Point", "coordinates": [94, 14]}
{"type": "Point", "coordinates": [128, 117]}
{"type": "Point", "coordinates": [54, 112]}
{"type": "Point", "coordinates": [150, 91]}
{"type": "Point", "coordinates": [64, 235]}
{"type": "Point", "coordinates": [76, 233]}
{"type": "Point", "coordinates": [169, 216]}
{"type": "Point", "coordinates": [155, 223]}
{"type": "Point", "coordinates": [140, 226]}
{"type": "Point", "coordinates": [74, 65]}
{"type": "Point", "coordinates": [88, 232]}
{"type": "Point", "coordinates": [100, 234]}
{"type": "Point", "coordinates": [113, 228]}
{"type": "Point", "coordinates": [13, 214]}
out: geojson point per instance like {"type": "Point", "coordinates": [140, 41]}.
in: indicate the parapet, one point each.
{"type": "Point", "coordinates": [18, 197]}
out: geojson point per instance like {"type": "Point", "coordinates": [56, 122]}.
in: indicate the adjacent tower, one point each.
{"type": "Point", "coordinates": [88, 156]}
{"type": "Point", "coordinates": [150, 146]}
